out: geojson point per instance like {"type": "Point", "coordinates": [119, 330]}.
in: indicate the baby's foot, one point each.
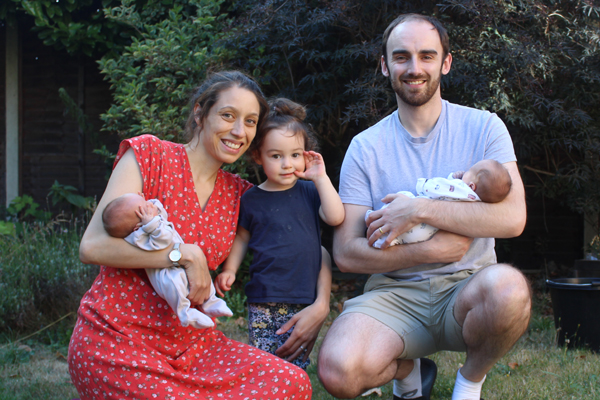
{"type": "Point", "coordinates": [196, 319]}
{"type": "Point", "coordinates": [216, 307]}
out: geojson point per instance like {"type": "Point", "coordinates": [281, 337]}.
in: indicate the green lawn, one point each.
{"type": "Point", "coordinates": [534, 369]}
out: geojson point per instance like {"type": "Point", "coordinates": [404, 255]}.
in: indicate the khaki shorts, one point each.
{"type": "Point", "coordinates": [421, 313]}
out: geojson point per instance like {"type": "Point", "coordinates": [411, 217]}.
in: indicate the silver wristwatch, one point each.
{"type": "Point", "coordinates": [175, 255]}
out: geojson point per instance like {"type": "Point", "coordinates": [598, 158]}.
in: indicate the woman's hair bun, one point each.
{"type": "Point", "coordinates": [283, 106]}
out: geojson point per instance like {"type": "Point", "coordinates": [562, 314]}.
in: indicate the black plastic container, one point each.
{"type": "Point", "coordinates": [576, 303]}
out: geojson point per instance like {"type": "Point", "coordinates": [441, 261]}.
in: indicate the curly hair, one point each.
{"type": "Point", "coordinates": [286, 115]}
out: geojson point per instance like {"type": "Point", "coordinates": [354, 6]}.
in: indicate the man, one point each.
{"type": "Point", "coordinates": [448, 293]}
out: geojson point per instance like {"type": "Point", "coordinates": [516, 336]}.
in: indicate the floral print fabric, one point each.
{"type": "Point", "coordinates": [127, 342]}
{"type": "Point", "coordinates": [264, 319]}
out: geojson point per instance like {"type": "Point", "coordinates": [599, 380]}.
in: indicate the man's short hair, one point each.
{"type": "Point", "coordinates": [437, 25]}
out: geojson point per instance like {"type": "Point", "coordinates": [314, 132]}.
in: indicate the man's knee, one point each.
{"type": "Point", "coordinates": [355, 353]}
{"type": "Point", "coordinates": [508, 292]}
{"type": "Point", "coordinates": [335, 371]}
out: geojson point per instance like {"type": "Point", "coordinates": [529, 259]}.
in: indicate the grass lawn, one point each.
{"type": "Point", "coordinates": [534, 369]}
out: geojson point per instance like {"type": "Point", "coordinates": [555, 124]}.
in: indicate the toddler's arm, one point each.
{"type": "Point", "coordinates": [332, 209]}
{"type": "Point", "coordinates": [225, 279]}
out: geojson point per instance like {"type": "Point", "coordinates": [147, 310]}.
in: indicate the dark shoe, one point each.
{"type": "Point", "coordinates": [428, 375]}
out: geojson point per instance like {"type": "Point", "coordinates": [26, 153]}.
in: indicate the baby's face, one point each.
{"type": "Point", "coordinates": [136, 202]}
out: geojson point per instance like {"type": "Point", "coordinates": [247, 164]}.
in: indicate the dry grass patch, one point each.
{"type": "Point", "coordinates": [33, 374]}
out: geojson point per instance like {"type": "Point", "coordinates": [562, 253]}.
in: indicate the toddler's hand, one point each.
{"type": "Point", "coordinates": [223, 282]}
{"type": "Point", "coordinates": [315, 166]}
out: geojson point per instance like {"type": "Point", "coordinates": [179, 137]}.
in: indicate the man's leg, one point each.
{"type": "Point", "coordinates": [493, 309]}
{"type": "Point", "coordinates": [360, 353]}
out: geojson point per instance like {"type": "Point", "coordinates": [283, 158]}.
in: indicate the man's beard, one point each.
{"type": "Point", "coordinates": [416, 99]}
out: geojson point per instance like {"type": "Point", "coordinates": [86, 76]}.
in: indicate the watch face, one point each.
{"type": "Point", "coordinates": [175, 255]}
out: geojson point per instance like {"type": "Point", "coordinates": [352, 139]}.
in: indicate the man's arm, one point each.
{"type": "Point", "coordinates": [352, 252]}
{"type": "Point", "coordinates": [474, 219]}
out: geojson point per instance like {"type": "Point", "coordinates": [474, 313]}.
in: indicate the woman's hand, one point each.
{"type": "Point", "coordinates": [196, 269]}
{"type": "Point", "coordinates": [307, 324]}
{"type": "Point", "coordinates": [223, 282]}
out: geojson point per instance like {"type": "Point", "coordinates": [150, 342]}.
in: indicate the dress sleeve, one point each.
{"type": "Point", "coordinates": [149, 152]}
{"type": "Point", "coordinates": [244, 186]}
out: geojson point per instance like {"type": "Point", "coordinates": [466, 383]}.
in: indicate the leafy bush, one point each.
{"type": "Point", "coordinates": [536, 64]}
{"type": "Point", "coordinates": [41, 277]}
{"type": "Point", "coordinates": [533, 62]}
{"type": "Point", "coordinates": [236, 301]}
{"type": "Point", "coordinates": [154, 76]}
{"type": "Point", "coordinates": [77, 26]}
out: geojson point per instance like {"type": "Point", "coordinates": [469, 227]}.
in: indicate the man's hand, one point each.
{"type": "Point", "coordinates": [398, 217]}
{"type": "Point", "coordinates": [446, 247]}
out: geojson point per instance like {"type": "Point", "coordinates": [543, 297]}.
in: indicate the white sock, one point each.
{"type": "Point", "coordinates": [464, 389]}
{"type": "Point", "coordinates": [410, 387]}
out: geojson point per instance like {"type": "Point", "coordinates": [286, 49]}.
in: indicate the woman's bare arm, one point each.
{"type": "Point", "coordinates": [97, 247]}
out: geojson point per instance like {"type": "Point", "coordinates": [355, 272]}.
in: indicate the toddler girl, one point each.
{"type": "Point", "coordinates": [144, 223]}
{"type": "Point", "coordinates": [290, 275]}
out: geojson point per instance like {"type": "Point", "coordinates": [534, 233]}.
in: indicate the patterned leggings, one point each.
{"type": "Point", "coordinates": [263, 321]}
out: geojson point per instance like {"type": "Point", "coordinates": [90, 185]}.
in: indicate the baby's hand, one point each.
{"type": "Point", "coordinates": [223, 282]}
{"type": "Point", "coordinates": [315, 166]}
{"type": "Point", "coordinates": [458, 174]}
{"type": "Point", "coordinates": [145, 213]}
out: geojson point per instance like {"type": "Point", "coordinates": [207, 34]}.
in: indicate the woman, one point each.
{"type": "Point", "coordinates": [127, 343]}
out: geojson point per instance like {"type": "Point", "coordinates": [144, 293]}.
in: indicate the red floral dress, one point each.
{"type": "Point", "coordinates": [128, 343]}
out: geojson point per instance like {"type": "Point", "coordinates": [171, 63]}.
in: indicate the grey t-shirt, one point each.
{"type": "Point", "coordinates": [386, 159]}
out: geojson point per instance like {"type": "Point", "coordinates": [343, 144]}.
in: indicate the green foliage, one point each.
{"type": "Point", "coordinates": [24, 208]}
{"type": "Point", "coordinates": [60, 193]}
{"type": "Point", "coordinates": [77, 26]}
{"type": "Point", "coordinates": [14, 354]}
{"type": "Point", "coordinates": [7, 228]}
{"type": "Point", "coordinates": [154, 76]}
{"type": "Point", "coordinates": [536, 63]}
{"type": "Point", "coordinates": [320, 53]}
{"type": "Point", "coordinates": [41, 277]}
{"type": "Point", "coordinates": [236, 301]}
